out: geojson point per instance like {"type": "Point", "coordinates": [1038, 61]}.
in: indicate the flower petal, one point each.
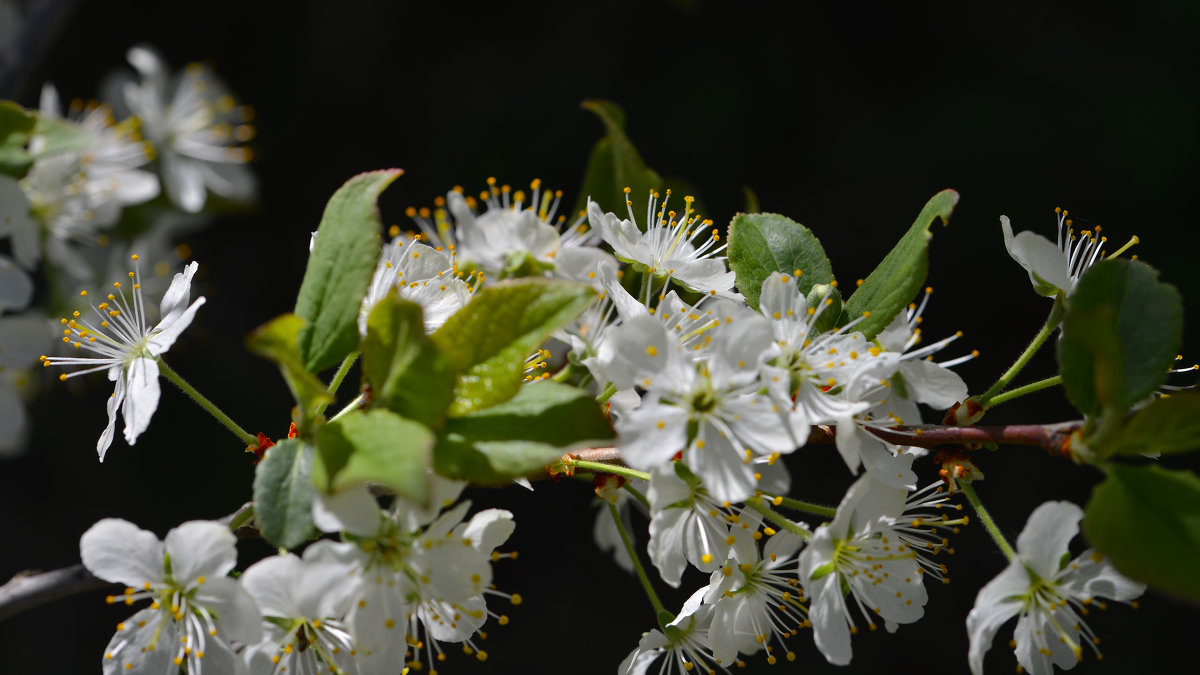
{"type": "Point", "coordinates": [117, 550]}
{"type": "Point", "coordinates": [238, 617]}
{"type": "Point", "coordinates": [201, 548]}
{"type": "Point", "coordinates": [994, 605]}
{"type": "Point", "coordinates": [113, 404]}
{"type": "Point", "coordinates": [141, 397]}
{"type": "Point", "coordinates": [1048, 533]}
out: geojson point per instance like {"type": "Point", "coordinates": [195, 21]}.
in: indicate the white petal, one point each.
{"type": "Point", "coordinates": [117, 550]}
{"type": "Point", "coordinates": [238, 617]}
{"type": "Point", "coordinates": [272, 583]}
{"type": "Point", "coordinates": [329, 578]}
{"type": "Point", "coordinates": [993, 607]}
{"type": "Point", "coordinates": [666, 544]}
{"type": "Point", "coordinates": [1045, 262]}
{"type": "Point", "coordinates": [201, 548]}
{"type": "Point", "coordinates": [129, 645]}
{"type": "Point", "coordinates": [141, 397]}
{"type": "Point", "coordinates": [353, 510]}
{"type": "Point", "coordinates": [113, 404]}
{"type": "Point", "coordinates": [722, 467]}
{"type": "Point", "coordinates": [16, 288]}
{"type": "Point", "coordinates": [931, 384]}
{"type": "Point", "coordinates": [489, 529]}
{"type": "Point", "coordinates": [1048, 533]}
{"type": "Point", "coordinates": [1090, 576]}
{"type": "Point", "coordinates": [827, 610]}
{"type": "Point", "coordinates": [652, 434]}
{"type": "Point", "coordinates": [185, 182]}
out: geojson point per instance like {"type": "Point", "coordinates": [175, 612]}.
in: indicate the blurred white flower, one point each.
{"type": "Point", "coordinates": [196, 128]}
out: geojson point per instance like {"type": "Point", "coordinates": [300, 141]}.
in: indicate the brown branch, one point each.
{"type": "Point", "coordinates": [32, 588]}
{"type": "Point", "coordinates": [1050, 437]}
{"type": "Point", "coordinates": [29, 589]}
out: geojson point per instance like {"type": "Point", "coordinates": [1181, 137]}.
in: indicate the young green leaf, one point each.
{"type": "Point", "coordinates": [16, 124]}
{"type": "Point", "coordinates": [283, 493]}
{"type": "Point", "coordinates": [899, 277]}
{"type": "Point", "coordinates": [59, 135]}
{"type": "Point", "coordinates": [1120, 336]}
{"type": "Point", "coordinates": [489, 339]}
{"type": "Point", "coordinates": [375, 446]}
{"type": "Point", "coordinates": [278, 341]}
{"type": "Point", "coordinates": [520, 436]}
{"type": "Point", "coordinates": [406, 372]}
{"type": "Point", "coordinates": [1167, 426]}
{"type": "Point", "coordinates": [339, 270]}
{"type": "Point", "coordinates": [762, 243]}
{"type": "Point", "coordinates": [1147, 521]}
{"type": "Point", "coordinates": [614, 164]}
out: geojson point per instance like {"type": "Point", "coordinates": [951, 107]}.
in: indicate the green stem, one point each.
{"type": "Point", "coordinates": [242, 517]}
{"type": "Point", "coordinates": [659, 610]}
{"type": "Point", "coordinates": [352, 405]}
{"type": "Point", "coordinates": [336, 382]}
{"type": "Point", "coordinates": [1027, 389]}
{"type": "Point", "coordinates": [606, 394]}
{"type": "Point", "coordinates": [1052, 321]}
{"type": "Point", "coordinates": [807, 507]}
{"type": "Point", "coordinates": [601, 467]}
{"type": "Point", "coordinates": [758, 505]}
{"type": "Point", "coordinates": [986, 519]}
{"type": "Point", "coordinates": [245, 436]}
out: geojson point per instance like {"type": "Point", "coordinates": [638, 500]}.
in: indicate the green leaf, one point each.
{"type": "Point", "coordinates": [60, 135]}
{"type": "Point", "coordinates": [375, 446]}
{"type": "Point", "coordinates": [900, 275]}
{"type": "Point", "coordinates": [1147, 521]}
{"type": "Point", "coordinates": [278, 341]}
{"type": "Point", "coordinates": [521, 436]}
{"type": "Point", "coordinates": [339, 270]}
{"type": "Point", "coordinates": [16, 124]}
{"type": "Point", "coordinates": [614, 164]}
{"type": "Point", "coordinates": [1168, 425]}
{"type": "Point", "coordinates": [489, 339]}
{"type": "Point", "coordinates": [1119, 338]}
{"type": "Point", "coordinates": [283, 493]}
{"type": "Point", "coordinates": [406, 372]}
{"type": "Point", "coordinates": [762, 243]}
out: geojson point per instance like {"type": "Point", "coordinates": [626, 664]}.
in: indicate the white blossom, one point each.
{"type": "Point", "coordinates": [196, 611]}
{"type": "Point", "coordinates": [127, 347]}
{"type": "Point", "coordinates": [1048, 593]}
{"type": "Point", "coordinates": [668, 247]}
{"type": "Point", "coordinates": [1055, 268]}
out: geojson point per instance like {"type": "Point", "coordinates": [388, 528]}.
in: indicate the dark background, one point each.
{"type": "Point", "coordinates": [846, 119]}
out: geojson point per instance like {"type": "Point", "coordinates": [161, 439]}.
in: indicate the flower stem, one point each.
{"type": "Point", "coordinates": [1027, 389]}
{"type": "Point", "coordinates": [608, 392]}
{"type": "Point", "coordinates": [986, 519]}
{"type": "Point", "coordinates": [807, 507]}
{"type": "Point", "coordinates": [601, 467]}
{"type": "Point", "coordinates": [242, 516]}
{"type": "Point", "coordinates": [245, 436]}
{"type": "Point", "coordinates": [352, 405]}
{"type": "Point", "coordinates": [1052, 321]}
{"type": "Point", "coordinates": [659, 610]}
{"type": "Point", "coordinates": [336, 382]}
{"type": "Point", "coordinates": [757, 504]}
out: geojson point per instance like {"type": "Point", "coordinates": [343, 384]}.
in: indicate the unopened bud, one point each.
{"type": "Point", "coordinates": [826, 302]}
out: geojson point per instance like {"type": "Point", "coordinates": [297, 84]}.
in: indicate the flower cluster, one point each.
{"type": "Point", "coordinates": [159, 144]}
{"type": "Point", "coordinates": [403, 579]}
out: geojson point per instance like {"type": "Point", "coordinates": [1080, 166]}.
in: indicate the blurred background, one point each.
{"type": "Point", "coordinates": [846, 118]}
